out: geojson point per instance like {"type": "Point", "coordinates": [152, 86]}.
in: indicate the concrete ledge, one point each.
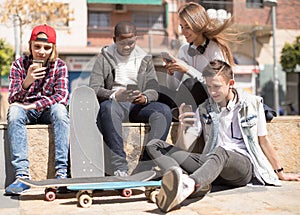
{"type": "Point", "coordinates": [40, 153]}
{"type": "Point", "coordinates": [41, 150]}
{"type": "Point", "coordinates": [284, 132]}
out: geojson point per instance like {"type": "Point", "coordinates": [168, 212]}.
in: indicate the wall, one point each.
{"type": "Point", "coordinates": [283, 132]}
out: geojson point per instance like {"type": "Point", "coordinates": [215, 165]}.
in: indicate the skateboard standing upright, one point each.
{"type": "Point", "coordinates": [86, 141]}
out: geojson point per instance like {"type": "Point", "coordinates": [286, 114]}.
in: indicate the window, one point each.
{"type": "Point", "coordinates": [98, 19]}
{"type": "Point", "coordinates": [254, 3]}
{"type": "Point", "coordinates": [218, 8]}
{"type": "Point", "coordinates": [149, 20]}
{"type": "Point", "coordinates": [217, 4]}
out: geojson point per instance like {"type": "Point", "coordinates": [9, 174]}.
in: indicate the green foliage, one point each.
{"type": "Point", "coordinates": [290, 56]}
{"type": "Point", "coordinates": [6, 57]}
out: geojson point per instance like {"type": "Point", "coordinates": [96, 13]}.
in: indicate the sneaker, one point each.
{"type": "Point", "coordinates": [61, 174]}
{"type": "Point", "coordinates": [200, 192]}
{"type": "Point", "coordinates": [121, 173]}
{"type": "Point", "coordinates": [17, 187]}
{"type": "Point", "coordinates": [175, 188]}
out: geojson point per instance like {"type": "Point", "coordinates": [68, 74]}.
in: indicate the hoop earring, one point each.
{"type": "Point", "coordinates": [199, 50]}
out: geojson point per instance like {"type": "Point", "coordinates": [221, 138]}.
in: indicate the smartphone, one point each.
{"type": "Point", "coordinates": [166, 56]}
{"type": "Point", "coordinates": [132, 87]}
{"type": "Point", "coordinates": [39, 62]}
{"type": "Point", "coordinates": [187, 108]}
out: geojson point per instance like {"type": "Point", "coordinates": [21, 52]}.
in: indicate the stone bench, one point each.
{"type": "Point", "coordinates": [41, 150]}
{"type": "Point", "coordinates": [284, 132]}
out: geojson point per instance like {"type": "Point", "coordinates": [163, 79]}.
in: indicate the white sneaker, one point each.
{"type": "Point", "coordinates": [175, 188]}
{"type": "Point", "coordinates": [120, 173]}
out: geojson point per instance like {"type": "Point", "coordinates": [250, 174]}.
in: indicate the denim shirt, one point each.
{"type": "Point", "coordinates": [248, 111]}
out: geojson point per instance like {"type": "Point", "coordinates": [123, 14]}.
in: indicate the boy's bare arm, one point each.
{"type": "Point", "coordinates": [271, 154]}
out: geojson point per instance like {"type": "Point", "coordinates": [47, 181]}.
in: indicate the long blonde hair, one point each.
{"type": "Point", "coordinates": [199, 22]}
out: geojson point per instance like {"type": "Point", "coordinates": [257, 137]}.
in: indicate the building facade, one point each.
{"type": "Point", "coordinates": [80, 42]}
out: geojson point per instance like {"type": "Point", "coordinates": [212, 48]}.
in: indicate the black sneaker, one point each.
{"type": "Point", "coordinates": [62, 174]}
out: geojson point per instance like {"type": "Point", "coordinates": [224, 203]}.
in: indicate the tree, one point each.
{"type": "Point", "coordinates": [6, 58]}
{"type": "Point", "coordinates": [290, 56]}
{"type": "Point", "coordinates": [33, 12]}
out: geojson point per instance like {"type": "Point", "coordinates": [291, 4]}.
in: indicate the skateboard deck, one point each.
{"type": "Point", "coordinates": [86, 141]}
{"type": "Point", "coordinates": [136, 180]}
{"type": "Point", "coordinates": [142, 176]}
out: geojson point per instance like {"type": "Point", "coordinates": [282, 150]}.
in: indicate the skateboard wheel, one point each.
{"type": "Point", "coordinates": [78, 194]}
{"type": "Point", "coordinates": [152, 196]}
{"type": "Point", "coordinates": [48, 189]}
{"type": "Point", "coordinates": [147, 193]}
{"type": "Point", "coordinates": [85, 201]}
{"type": "Point", "coordinates": [126, 192]}
{"type": "Point", "coordinates": [88, 192]}
{"type": "Point", "coordinates": [50, 196]}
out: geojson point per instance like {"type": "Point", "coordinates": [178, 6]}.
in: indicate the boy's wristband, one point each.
{"type": "Point", "coordinates": [278, 170]}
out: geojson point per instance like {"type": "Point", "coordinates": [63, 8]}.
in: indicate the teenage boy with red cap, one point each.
{"type": "Point", "coordinates": [38, 93]}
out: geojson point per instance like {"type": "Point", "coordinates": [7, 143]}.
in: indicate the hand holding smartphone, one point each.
{"type": "Point", "coordinates": [187, 115]}
{"type": "Point", "coordinates": [38, 71]}
{"type": "Point", "coordinates": [187, 108]}
{"type": "Point", "coordinates": [133, 92]}
{"type": "Point", "coordinates": [39, 63]}
{"type": "Point", "coordinates": [166, 56]}
{"type": "Point", "coordinates": [132, 87]}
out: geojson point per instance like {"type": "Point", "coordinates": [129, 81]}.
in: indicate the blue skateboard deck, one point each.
{"type": "Point", "coordinates": [86, 141]}
{"type": "Point", "coordinates": [85, 191]}
{"type": "Point", "coordinates": [114, 185]}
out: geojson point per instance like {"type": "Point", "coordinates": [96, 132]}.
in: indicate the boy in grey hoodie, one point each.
{"type": "Point", "coordinates": [125, 82]}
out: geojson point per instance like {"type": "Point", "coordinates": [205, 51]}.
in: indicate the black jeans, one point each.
{"type": "Point", "coordinates": [228, 167]}
{"type": "Point", "coordinates": [109, 121]}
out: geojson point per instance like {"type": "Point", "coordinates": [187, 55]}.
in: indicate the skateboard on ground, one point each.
{"type": "Point", "coordinates": [86, 141]}
{"type": "Point", "coordinates": [85, 191]}
{"type": "Point", "coordinates": [51, 185]}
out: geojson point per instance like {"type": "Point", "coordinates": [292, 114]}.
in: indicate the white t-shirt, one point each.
{"type": "Point", "coordinates": [198, 62]}
{"type": "Point", "coordinates": [127, 67]}
{"type": "Point", "coordinates": [229, 134]}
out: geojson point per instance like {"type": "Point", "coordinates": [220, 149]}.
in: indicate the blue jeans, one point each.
{"type": "Point", "coordinates": [17, 118]}
{"type": "Point", "coordinates": [111, 116]}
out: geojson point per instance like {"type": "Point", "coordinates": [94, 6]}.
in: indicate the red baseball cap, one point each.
{"type": "Point", "coordinates": [46, 29]}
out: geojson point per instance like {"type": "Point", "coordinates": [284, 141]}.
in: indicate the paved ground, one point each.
{"type": "Point", "coordinates": [247, 200]}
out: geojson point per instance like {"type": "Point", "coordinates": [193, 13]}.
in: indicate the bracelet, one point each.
{"type": "Point", "coordinates": [278, 170]}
